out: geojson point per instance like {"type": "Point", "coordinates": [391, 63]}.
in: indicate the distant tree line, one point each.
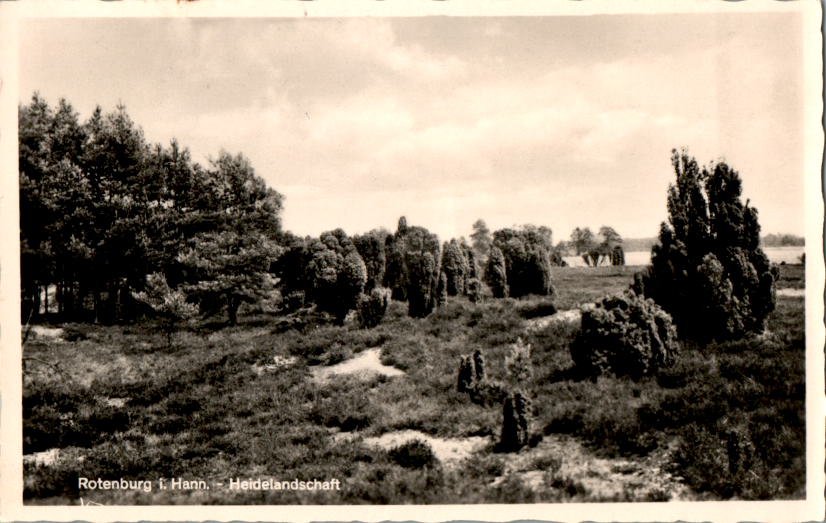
{"type": "Point", "coordinates": [605, 247]}
{"type": "Point", "coordinates": [768, 240]}
{"type": "Point", "coordinates": [783, 240]}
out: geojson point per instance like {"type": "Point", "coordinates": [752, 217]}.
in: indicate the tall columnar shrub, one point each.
{"type": "Point", "coordinates": [455, 267]}
{"type": "Point", "coordinates": [625, 334]}
{"type": "Point", "coordinates": [481, 239]}
{"type": "Point", "coordinates": [422, 274]}
{"type": "Point", "coordinates": [372, 307]}
{"type": "Point", "coordinates": [496, 274]}
{"type": "Point", "coordinates": [478, 365]}
{"type": "Point", "coordinates": [413, 267]}
{"type": "Point", "coordinates": [617, 255]}
{"type": "Point", "coordinates": [475, 290]}
{"type": "Point", "coordinates": [472, 261]}
{"type": "Point", "coordinates": [708, 270]}
{"type": "Point", "coordinates": [515, 422]}
{"type": "Point", "coordinates": [441, 291]}
{"type": "Point", "coordinates": [395, 275]}
{"type": "Point", "coordinates": [466, 375]}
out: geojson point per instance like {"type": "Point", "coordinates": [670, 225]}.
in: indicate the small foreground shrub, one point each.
{"type": "Point", "coordinates": [518, 366]}
{"type": "Point", "coordinates": [515, 422]}
{"type": "Point", "coordinates": [625, 334]}
{"type": "Point", "coordinates": [466, 375]}
{"type": "Point", "coordinates": [415, 454]}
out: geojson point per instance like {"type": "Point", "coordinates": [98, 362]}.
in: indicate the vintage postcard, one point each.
{"type": "Point", "coordinates": [428, 262]}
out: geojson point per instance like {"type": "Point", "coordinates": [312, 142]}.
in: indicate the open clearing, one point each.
{"type": "Point", "coordinates": [332, 401]}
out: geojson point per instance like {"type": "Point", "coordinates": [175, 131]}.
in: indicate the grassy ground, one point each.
{"type": "Point", "coordinates": [727, 421]}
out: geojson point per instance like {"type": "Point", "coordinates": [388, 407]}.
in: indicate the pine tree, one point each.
{"type": "Point", "coordinates": [229, 269]}
{"type": "Point", "coordinates": [170, 305]}
{"type": "Point", "coordinates": [708, 270]}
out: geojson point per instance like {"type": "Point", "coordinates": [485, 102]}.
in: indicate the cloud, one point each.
{"type": "Point", "coordinates": [496, 118]}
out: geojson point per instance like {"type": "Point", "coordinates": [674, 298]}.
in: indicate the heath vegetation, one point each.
{"type": "Point", "coordinates": [174, 329]}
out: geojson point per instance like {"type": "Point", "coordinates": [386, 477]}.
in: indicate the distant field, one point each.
{"type": "Point", "coordinates": [725, 422]}
{"type": "Point", "coordinates": [775, 254]}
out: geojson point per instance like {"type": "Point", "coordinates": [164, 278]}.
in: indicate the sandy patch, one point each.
{"type": "Point", "coordinates": [447, 450]}
{"type": "Point", "coordinates": [278, 362]}
{"type": "Point", "coordinates": [796, 293]}
{"type": "Point", "coordinates": [366, 364]}
{"type": "Point", "coordinates": [117, 403]}
{"type": "Point", "coordinates": [238, 335]}
{"type": "Point", "coordinates": [45, 458]}
{"type": "Point", "coordinates": [603, 479]}
{"type": "Point", "coordinates": [40, 332]}
{"type": "Point", "coordinates": [567, 316]}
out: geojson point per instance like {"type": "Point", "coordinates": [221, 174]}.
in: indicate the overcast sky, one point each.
{"type": "Point", "coordinates": [557, 121]}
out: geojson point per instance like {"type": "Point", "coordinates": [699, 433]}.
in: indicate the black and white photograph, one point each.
{"type": "Point", "coordinates": [382, 260]}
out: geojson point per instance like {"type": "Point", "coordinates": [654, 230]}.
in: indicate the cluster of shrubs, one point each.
{"type": "Point", "coordinates": [471, 371]}
{"type": "Point", "coordinates": [516, 416]}
{"type": "Point", "coordinates": [520, 262]}
{"type": "Point", "coordinates": [334, 271]}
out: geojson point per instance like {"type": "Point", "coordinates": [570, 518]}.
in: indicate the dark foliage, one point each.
{"type": "Point", "coordinates": [100, 209]}
{"type": "Point", "coordinates": [527, 254]}
{"type": "Point", "coordinates": [456, 268]}
{"type": "Point", "coordinates": [515, 422]}
{"type": "Point", "coordinates": [370, 247]}
{"type": "Point", "coordinates": [708, 270]}
{"type": "Point", "coordinates": [372, 307]}
{"type": "Point", "coordinates": [337, 273]}
{"type": "Point", "coordinates": [415, 454]}
{"type": "Point", "coordinates": [624, 334]}
{"type": "Point", "coordinates": [496, 275]}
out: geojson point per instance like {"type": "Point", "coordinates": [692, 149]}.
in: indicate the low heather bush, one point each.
{"type": "Point", "coordinates": [625, 334]}
{"type": "Point", "coordinates": [414, 454]}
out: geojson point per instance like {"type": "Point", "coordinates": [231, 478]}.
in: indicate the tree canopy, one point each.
{"type": "Point", "coordinates": [100, 209]}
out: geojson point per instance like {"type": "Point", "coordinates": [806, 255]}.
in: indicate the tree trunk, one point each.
{"type": "Point", "coordinates": [97, 305]}
{"type": "Point", "coordinates": [232, 310]}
